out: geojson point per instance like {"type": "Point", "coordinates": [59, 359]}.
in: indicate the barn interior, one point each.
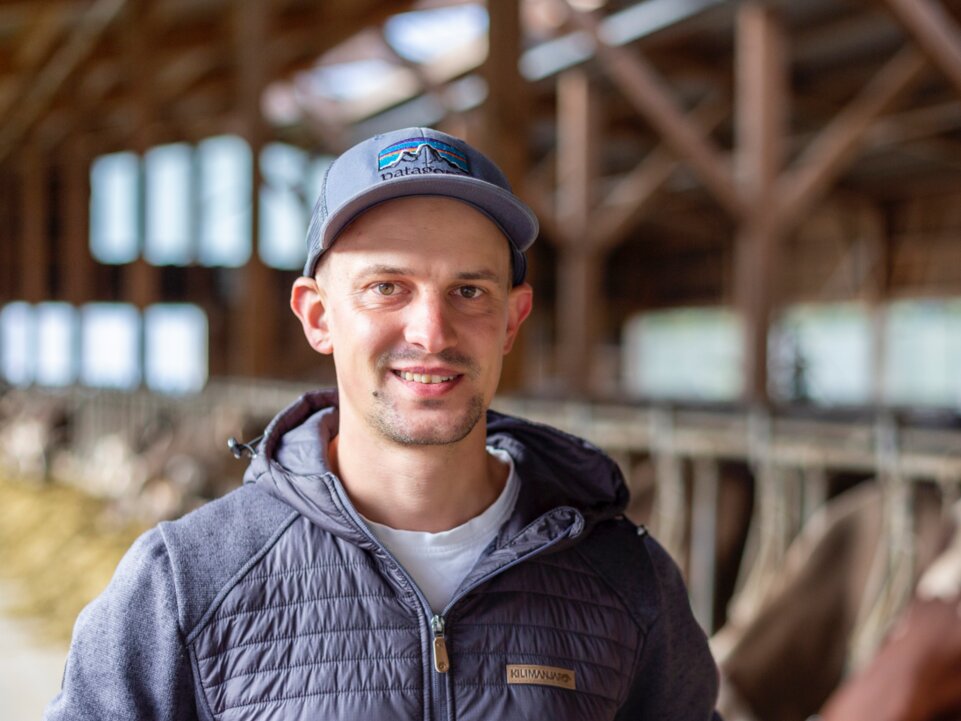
{"type": "Point", "coordinates": [747, 281]}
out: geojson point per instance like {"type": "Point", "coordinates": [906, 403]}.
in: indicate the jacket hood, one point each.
{"type": "Point", "coordinates": [567, 484]}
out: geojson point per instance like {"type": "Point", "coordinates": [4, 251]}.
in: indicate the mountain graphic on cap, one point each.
{"type": "Point", "coordinates": [428, 149]}
{"type": "Point", "coordinates": [413, 162]}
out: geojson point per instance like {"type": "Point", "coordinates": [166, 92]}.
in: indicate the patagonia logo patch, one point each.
{"type": "Point", "coordinates": [540, 675]}
{"type": "Point", "coordinates": [416, 156]}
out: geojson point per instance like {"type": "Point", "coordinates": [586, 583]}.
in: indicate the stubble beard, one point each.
{"type": "Point", "coordinates": [391, 423]}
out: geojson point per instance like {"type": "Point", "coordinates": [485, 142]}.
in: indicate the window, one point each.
{"type": "Point", "coordinates": [115, 208]}
{"type": "Point", "coordinates": [822, 353]}
{"type": "Point", "coordinates": [169, 193]}
{"type": "Point", "coordinates": [17, 339]}
{"type": "Point", "coordinates": [225, 182]}
{"type": "Point", "coordinates": [688, 353]}
{"type": "Point", "coordinates": [922, 353]}
{"type": "Point", "coordinates": [283, 206]}
{"type": "Point", "coordinates": [56, 328]}
{"type": "Point", "coordinates": [176, 345]}
{"type": "Point", "coordinates": [111, 345]}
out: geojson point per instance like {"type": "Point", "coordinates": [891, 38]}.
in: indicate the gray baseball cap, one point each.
{"type": "Point", "coordinates": [416, 161]}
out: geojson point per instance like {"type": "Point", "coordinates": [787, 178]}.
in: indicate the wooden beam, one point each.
{"type": "Point", "coordinates": [505, 118]}
{"type": "Point", "coordinates": [78, 267]}
{"type": "Point", "coordinates": [34, 240]}
{"type": "Point", "coordinates": [505, 110]}
{"type": "Point", "coordinates": [827, 156]}
{"type": "Point", "coordinates": [627, 201]}
{"type": "Point", "coordinates": [45, 26]}
{"type": "Point", "coordinates": [623, 206]}
{"type": "Point", "coordinates": [578, 146]}
{"type": "Point", "coordinates": [648, 93]}
{"type": "Point", "coordinates": [541, 199]}
{"type": "Point", "coordinates": [580, 264]}
{"type": "Point", "coordinates": [40, 93]}
{"type": "Point", "coordinates": [916, 124]}
{"type": "Point", "coordinates": [10, 190]}
{"type": "Point", "coordinates": [936, 33]}
{"type": "Point", "coordinates": [304, 35]}
{"type": "Point", "coordinates": [257, 309]}
{"type": "Point", "coordinates": [761, 110]}
{"type": "Point", "coordinates": [762, 98]}
{"type": "Point", "coordinates": [141, 281]}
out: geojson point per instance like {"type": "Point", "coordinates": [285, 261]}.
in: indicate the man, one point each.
{"type": "Point", "coordinates": [397, 551]}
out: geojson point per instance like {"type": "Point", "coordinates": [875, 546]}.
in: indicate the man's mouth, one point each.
{"type": "Point", "coordinates": [425, 378]}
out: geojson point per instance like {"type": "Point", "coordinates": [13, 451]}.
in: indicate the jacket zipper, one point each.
{"type": "Point", "coordinates": [434, 621]}
{"type": "Point", "coordinates": [441, 660]}
{"type": "Point", "coordinates": [437, 621]}
{"type": "Point", "coordinates": [440, 681]}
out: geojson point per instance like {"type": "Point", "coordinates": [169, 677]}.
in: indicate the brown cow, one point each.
{"type": "Point", "coordinates": [917, 674]}
{"type": "Point", "coordinates": [782, 664]}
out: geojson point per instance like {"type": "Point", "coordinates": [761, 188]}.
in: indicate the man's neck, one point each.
{"type": "Point", "coordinates": [417, 488]}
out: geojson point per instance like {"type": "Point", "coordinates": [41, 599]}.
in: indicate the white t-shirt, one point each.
{"type": "Point", "coordinates": [438, 562]}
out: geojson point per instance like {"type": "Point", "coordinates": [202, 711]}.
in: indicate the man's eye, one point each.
{"type": "Point", "coordinates": [468, 291]}
{"type": "Point", "coordinates": [385, 288]}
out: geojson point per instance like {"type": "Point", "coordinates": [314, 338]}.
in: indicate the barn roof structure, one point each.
{"type": "Point", "coordinates": [747, 153]}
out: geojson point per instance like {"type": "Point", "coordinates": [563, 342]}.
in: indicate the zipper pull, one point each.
{"type": "Point", "coordinates": [441, 661]}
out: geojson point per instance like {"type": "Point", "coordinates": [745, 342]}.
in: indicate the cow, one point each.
{"type": "Point", "coordinates": [783, 663]}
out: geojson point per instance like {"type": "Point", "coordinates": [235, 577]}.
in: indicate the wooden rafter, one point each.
{"type": "Point", "coordinates": [619, 211]}
{"type": "Point", "coordinates": [35, 99]}
{"type": "Point", "coordinates": [836, 145]}
{"type": "Point", "coordinates": [936, 33]}
{"type": "Point", "coordinates": [647, 91]}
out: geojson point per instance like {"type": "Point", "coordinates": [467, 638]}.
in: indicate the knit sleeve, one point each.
{"type": "Point", "coordinates": [675, 677]}
{"type": "Point", "coordinates": [128, 659]}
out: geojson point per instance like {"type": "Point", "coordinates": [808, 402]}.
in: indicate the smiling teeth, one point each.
{"type": "Point", "coordinates": [424, 378]}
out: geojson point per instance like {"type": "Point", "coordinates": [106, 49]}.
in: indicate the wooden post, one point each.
{"type": "Point", "coordinates": [578, 298]}
{"type": "Point", "coordinates": [141, 281]}
{"type": "Point", "coordinates": [579, 275]}
{"type": "Point", "coordinates": [256, 313]}
{"type": "Point", "coordinates": [505, 128]}
{"type": "Point", "coordinates": [34, 242]}
{"type": "Point", "coordinates": [761, 117]}
{"type": "Point", "coordinates": [77, 265]}
{"type": "Point", "coordinates": [9, 235]}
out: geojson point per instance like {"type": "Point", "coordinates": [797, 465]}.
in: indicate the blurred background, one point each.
{"type": "Point", "coordinates": [748, 280]}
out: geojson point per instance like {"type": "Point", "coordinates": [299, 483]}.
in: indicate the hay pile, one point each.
{"type": "Point", "coordinates": [58, 550]}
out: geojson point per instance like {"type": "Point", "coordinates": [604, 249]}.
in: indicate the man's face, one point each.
{"type": "Point", "coordinates": [418, 311]}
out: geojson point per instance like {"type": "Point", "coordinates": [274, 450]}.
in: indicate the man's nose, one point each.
{"type": "Point", "coordinates": [429, 324]}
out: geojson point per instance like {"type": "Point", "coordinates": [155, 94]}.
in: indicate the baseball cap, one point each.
{"type": "Point", "coordinates": [416, 161]}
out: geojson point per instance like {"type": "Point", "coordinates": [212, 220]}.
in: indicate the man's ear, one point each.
{"type": "Point", "coordinates": [519, 304]}
{"type": "Point", "coordinates": [308, 303]}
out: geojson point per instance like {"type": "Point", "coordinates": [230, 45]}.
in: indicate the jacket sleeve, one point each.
{"type": "Point", "coordinates": [675, 677]}
{"type": "Point", "coordinates": [128, 659]}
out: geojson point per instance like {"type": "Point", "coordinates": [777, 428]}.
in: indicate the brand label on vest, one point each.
{"type": "Point", "coordinates": [540, 675]}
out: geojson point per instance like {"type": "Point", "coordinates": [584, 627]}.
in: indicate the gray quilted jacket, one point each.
{"type": "Point", "coordinates": [276, 603]}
